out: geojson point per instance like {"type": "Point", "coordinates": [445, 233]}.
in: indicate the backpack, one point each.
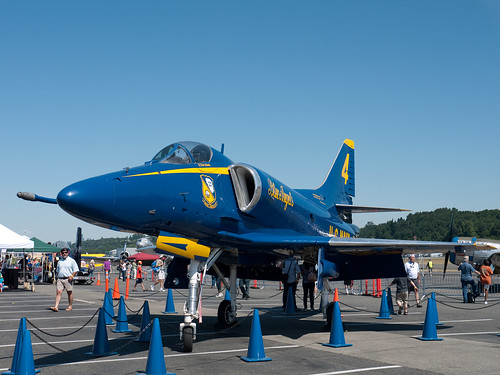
{"type": "Point", "coordinates": [311, 276]}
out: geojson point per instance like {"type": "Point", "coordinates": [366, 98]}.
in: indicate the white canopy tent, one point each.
{"type": "Point", "coordinates": [12, 240]}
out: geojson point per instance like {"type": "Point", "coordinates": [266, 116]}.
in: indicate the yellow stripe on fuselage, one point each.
{"type": "Point", "coordinates": [210, 170]}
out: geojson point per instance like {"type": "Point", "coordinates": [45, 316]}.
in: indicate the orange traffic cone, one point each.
{"type": "Point", "coordinates": [98, 279]}
{"type": "Point", "coordinates": [116, 291]}
{"type": "Point", "coordinates": [336, 296]}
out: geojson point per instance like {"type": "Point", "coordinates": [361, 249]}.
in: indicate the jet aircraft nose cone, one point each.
{"type": "Point", "coordinates": [90, 199]}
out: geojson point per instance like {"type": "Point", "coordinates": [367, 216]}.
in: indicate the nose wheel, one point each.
{"type": "Point", "coordinates": [187, 339]}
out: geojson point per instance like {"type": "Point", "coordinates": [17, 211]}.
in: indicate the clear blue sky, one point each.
{"type": "Point", "coordinates": [89, 87]}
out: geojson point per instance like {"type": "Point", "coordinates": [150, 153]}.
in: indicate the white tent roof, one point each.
{"type": "Point", "coordinates": [12, 240]}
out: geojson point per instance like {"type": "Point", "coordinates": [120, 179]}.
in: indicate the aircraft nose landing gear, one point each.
{"type": "Point", "coordinates": [187, 336]}
{"type": "Point", "coordinates": [226, 313]}
{"type": "Point", "coordinates": [187, 329]}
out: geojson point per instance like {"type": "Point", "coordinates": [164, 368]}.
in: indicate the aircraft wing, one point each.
{"type": "Point", "coordinates": [362, 209]}
{"type": "Point", "coordinates": [342, 245]}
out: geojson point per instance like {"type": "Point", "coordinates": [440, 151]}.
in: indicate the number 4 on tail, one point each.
{"type": "Point", "coordinates": [345, 169]}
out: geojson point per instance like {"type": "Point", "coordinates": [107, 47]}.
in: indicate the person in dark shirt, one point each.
{"type": "Point", "coordinates": [466, 271]}
{"type": "Point", "coordinates": [402, 293]}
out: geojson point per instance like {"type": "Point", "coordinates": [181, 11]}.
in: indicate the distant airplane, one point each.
{"type": "Point", "coordinates": [234, 219]}
{"type": "Point", "coordinates": [483, 250]}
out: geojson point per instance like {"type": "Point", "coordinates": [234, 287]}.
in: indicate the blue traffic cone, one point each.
{"type": "Point", "coordinates": [435, 316]}
{"type": "Point", "coordinates": [337, 339]}
{"type": "Point", "coordinates": [26, 362]}
{"type": "Point", "coordinates": [384, 308]}
{"type": "Point", "coordinates": [290, 303]}
{"type": "Point", "coordinates": [169, 306]}
{"type": "Point", "coordinates": [255, 351]}
{"type": "Point", "coordinates": [121, 321]}
{"type": "Point", "coordinates": [145, 335]}
{"type": "Point", "coordinates": [227, 296]}
{"type": "Point", "coordinates": [101, 347]}
{"type": "Point", "coordinates": [107, 307]}
{"type": "Point", "coordinates": [389, 302]}
{"type": "Point", "coordinates": [111, 305]}
{"type": "Point", "coordinates": [430, 332]}
{"type": "Point", "coordinates": [156, 359]}
{"type": "Point", "coordinates": [15, 356]}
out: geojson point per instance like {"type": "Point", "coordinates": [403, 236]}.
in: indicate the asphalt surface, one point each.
{"type": "Point", "coordinates": [293, 342]}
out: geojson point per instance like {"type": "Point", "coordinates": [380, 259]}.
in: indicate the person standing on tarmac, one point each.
{"type": "Point", "coordinates": [138, 280]}
{"type": "Point", "coordinates": [430, 266]}
{"type": "Point", "coordinates": [466, 271]}
{"type": "Point", "coordinates": [161, 273]}
{"type": "Point", "coordinates": [402, 293]}
{"type": "Point", "coordinates": [291, 271]}
{"type": "Point", "coordinates": [485, 278]}
{"type": "Point", "coordinates": [413, 273]}
{"type": "Point", "coordinates": [65, 271]}
{"type": "Point", "coordinates": [309, 278]}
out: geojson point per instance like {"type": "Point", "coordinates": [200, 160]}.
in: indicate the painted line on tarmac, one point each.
{"type": "Point", "coordinates": [84, 301]}
{"type": "Point", "coordinates": [464, 320]}
{"type": "Point", "coordinates": [109, 339]}
{"type": "Point", "coordinates": [419, 322]}
{"type": "Point", "coordinates": [359, 370]}
{"type": "Point", "coordinates": [45, 329]}
{"type": "Point", "coordinates": [20, 299]}
{"type": "Point", "coordinates": [59, 316]}
{"type": "Point", "coordinates": [46, 309]}
{"type": "Point", "coordinates": [164, 356]}
{"type": "Point", "coordinates": [466, 333]}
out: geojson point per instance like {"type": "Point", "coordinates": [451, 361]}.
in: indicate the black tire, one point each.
{"type": "Point", "coordinates": [224, 313]}
{"type": "Point", "coordinates": [187, 339]}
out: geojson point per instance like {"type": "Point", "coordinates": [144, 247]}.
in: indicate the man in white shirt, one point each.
{"type": "Point", "coordinates": [65, 271]}
{"type": "Point", "coordinates": [413, 273]}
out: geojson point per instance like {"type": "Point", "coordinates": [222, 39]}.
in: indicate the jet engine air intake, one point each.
{"type": "Point", "coordinates": [247, 186]}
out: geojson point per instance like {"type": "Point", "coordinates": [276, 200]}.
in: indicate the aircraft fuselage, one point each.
{"type": "Point", "coordinates": [198, 200]}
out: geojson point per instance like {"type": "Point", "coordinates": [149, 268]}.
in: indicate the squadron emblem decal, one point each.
{"type": "Point", "coordinates": [208, 190]}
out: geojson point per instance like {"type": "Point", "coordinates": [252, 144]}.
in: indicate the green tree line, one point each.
{"type": "Point", "coordinates": [435, 226]}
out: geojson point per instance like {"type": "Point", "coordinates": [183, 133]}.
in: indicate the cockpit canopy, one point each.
{"type": "Point", "coordinates": [184, 153]}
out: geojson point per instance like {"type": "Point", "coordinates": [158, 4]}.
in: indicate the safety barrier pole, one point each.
{"type": "Point", "coordinates": [127, 283]}
{"type": "Point", "coordinates": [106, 276]}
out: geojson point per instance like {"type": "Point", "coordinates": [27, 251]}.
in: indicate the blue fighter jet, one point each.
{"type": "Point", "coordinates": [235, 220]}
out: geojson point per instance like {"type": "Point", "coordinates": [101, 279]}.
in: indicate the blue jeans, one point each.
{"type": "Point", "coordinates": [464, 288]}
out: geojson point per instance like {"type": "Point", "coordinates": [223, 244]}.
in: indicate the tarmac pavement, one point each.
{"type": "Point", "coordinates": [294, 342]}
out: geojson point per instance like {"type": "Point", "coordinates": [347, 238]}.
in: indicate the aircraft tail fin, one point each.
{"type": "Point", "coordinates": [338, 186]}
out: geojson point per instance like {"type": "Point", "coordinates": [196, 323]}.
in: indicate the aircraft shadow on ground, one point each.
{"type": "Point", "coordinates": [382, 327]}
{"type": "Point", "coordinates": [273, 322]}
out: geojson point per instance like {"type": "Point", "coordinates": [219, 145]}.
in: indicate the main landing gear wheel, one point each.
{"type": "Point", "coordinates": [224, 316]}
{"type": "Point", "coordinates": [187, 339]}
